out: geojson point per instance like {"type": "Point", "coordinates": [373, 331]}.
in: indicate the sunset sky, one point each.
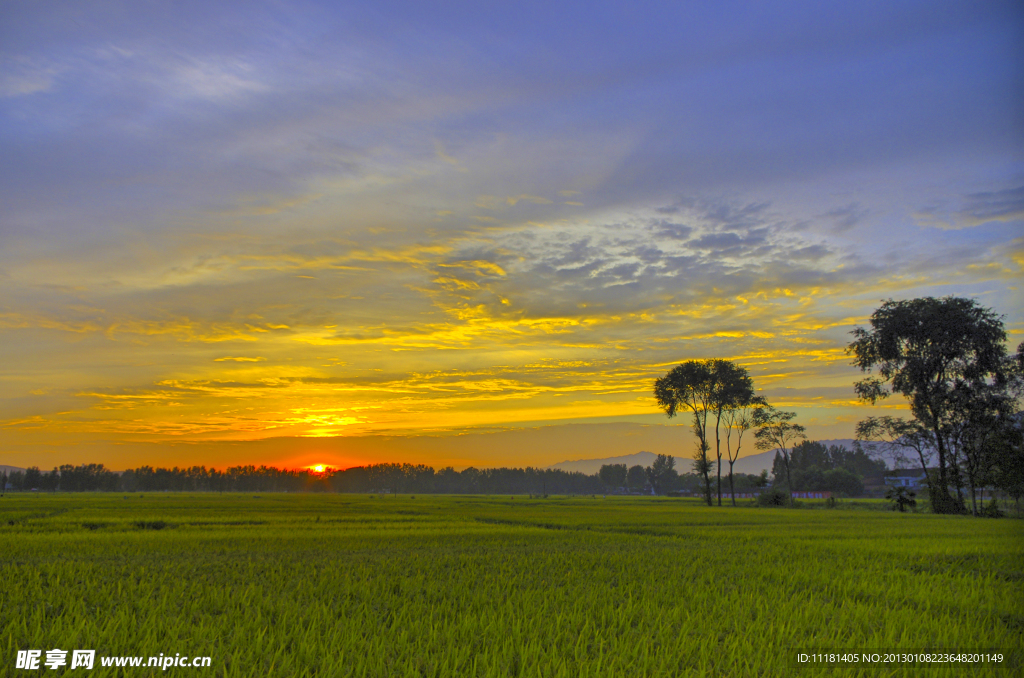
{"type": "Point", "coordinates": [453, 233]}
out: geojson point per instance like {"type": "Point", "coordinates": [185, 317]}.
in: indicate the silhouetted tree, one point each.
{"type": "Point", "coordinates": [984, 420]}
{"type": "Point", "coordinates": [905, 442]}
{"type": "Point", "coordinates": [33, 478]}
{"type": "Point", "coordinates": [50, 482]}
{"type": "Point", "coordinates": [774, 430]}
{"type": "Point", "coordinates": [613, 475]}
{"type": "Point", "coordinates": [636, 478]}
{"type": "Point", "coordinates": [738, 419]}
{"type": "Point", "coordinates": [706, 388]}
{"type": "Point", "coordinates": [1008, 462]}
{"type": "Point", "coordinates": [901, 498]}
{"type": "Point", "coordinates": [926, 350]}
{"type": "Point", "coordinates": [661, 474]}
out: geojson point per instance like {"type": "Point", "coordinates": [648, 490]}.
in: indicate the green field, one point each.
{"type": "Point", "coordinates": [340, 585]}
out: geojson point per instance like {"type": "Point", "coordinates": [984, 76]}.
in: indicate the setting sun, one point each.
{"type": "Point", "coordinates": [577, 301]}
{"type": "Point", "coordinates": [410, 258]}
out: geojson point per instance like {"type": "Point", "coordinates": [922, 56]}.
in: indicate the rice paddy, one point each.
{"type": "Point", "coordinates": [359, 585]}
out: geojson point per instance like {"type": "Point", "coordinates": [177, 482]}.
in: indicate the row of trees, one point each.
{"type": "Point", "coordinates": [396, 478]}
{"type": "Point", "coordinates": [810, 460]}
{"type": "Point", "coordinates": [97, 478]}
{"type": "Point", "coordinates": [89, 477]}
{"type": "Point", "coordinates": [815, 467]}
{"type": "Point", "coordinates": [661, 477]}
{"type": "Point", "coordinates": [407, 478]}
{"type": "Point", "coordinates": [719, 396]}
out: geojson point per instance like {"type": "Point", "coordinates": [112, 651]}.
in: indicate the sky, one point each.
{"type": "Point", "coordinates": [464, 234]}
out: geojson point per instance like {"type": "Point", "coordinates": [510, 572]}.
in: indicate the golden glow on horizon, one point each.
{"type": "Point", "coordinates": [418, 339]}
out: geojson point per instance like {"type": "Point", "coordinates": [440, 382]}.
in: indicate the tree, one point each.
{"type": "Point", "coordinates": [636, 478]}
{"type": "Point", "coordinates": [856, 461]}
{"type": "Point", "coordinates": [690, 483]}
{"type": "Point", "coordinates": [841, 481]}
{"type": "Point", "coordinates": [808, 453]}
{"type": "Point", "coordinates": [901, 498]}
{"type": "Point", "coordinates": [774, 430]}
{"type": "Point", "coordinates": [661, 474]}
{"type": "Point", "coordinates": [50, 481]}
{"type": "Point", "coordinates": [738, 419]}
{"type": "Point", "coordinates": [702, 468]}
{"type": "Point", "coordinates": [815, 467]}
{"type": "Point", "coordinates": [925, 349]}
{"type": "Point", "coordinates": [33, 478]}
{"type": "Point", "coordinates": [897, 438]}
{"type": "Point", "coordinates": [613, 475]}
{"type": "Point", "coordinates": [690, 386]}
{"type": "Point", "coordinates": [1008, 453]}
{"type": "Point", "coordinates": [735, 389]}
{"type": "Point", "coordinates": [705, 388]}
{"type": "Point", "coordinates": [981, 412]}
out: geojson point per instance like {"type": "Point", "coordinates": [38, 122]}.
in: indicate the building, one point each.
{"type": "Point", "coordinates": [911, 478]}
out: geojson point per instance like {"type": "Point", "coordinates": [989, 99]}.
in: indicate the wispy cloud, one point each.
{"type": "Point", "coordinates": [21, 76]}
{"type": "Point", "coordinates": [975, 209]}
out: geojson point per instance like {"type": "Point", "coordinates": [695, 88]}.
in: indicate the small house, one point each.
{"type": "Point", "coordinates": [911, 478]}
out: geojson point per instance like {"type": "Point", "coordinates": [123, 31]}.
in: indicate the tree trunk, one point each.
{"type": "Point", "coordinates": [707, 482]}
{"type": "Point", "coordinates": [928, 481]}
{"type": "Point", "coordinates": [719, 481]}
{"type": "Point", "coordinates": [789, 483]}
{"type": "Point", "coordinates": [732, 489]}
{"type": "Point", "coordinates": [959, 482]}
{"type": "Point", "coordinates": [972, 485]}
{"type": "Point", "coordinates": [942, 501]}
{"type": "Point", "coordinates": [718, 456]}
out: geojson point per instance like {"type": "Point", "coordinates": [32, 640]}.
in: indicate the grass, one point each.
{"type": "Point", "coordinates": [355, 585]}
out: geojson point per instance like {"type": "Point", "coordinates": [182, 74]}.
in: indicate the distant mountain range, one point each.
{"type": "Point", "coordinates": [752, 464]}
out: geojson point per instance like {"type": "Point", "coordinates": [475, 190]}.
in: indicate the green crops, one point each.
{"type": "Point", "coordinates": [353, 585]}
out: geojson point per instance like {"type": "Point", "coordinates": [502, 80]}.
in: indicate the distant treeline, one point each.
{"type": "Point", "coordinates": [815, 467]}
{"type": "Point", "coordinates": [391, 478]}
{"type": "Point", "coordinates": [394, 478]}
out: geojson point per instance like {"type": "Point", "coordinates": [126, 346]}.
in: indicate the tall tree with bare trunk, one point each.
{"type": "Point", "coordinates": [738, 419]}
{"type": "Point", "coordinates": [707, 389]}
{"type": "Point", "coordinates": [774, 430]}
